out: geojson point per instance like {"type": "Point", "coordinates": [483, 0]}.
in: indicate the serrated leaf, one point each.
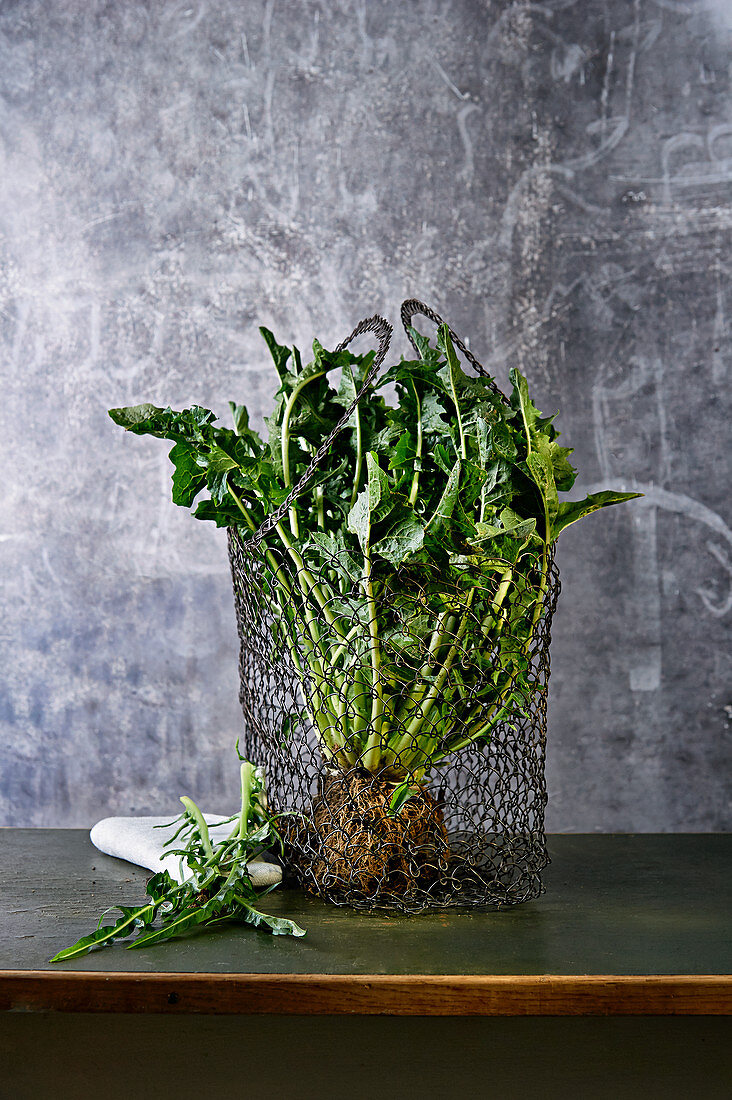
{"type": "Point", "coordinates": [381, 498]}
{"type": "Point", "coordinates": [240, 416]}
{"type": "Point", "coordinates": [225, 514]}
{"type": "Point", "coordinates": [133, 415]}
{"type": "Point", "coordinates": [443, 458]}
{"type": "Point", "coordinates": [511, 525]}
{"type": "Point", "coordinates": [278, 926]}
{"type": "Point", "coordinates": [177, 925]}
{"type": "Point", "coordinates": [563, 470]}
{"type": "Point", "coordinates": [188, 477]}
{"type": "Point", "coordinates": [570, 511]}
{"type": "Point", "coordinates": [403, 453]}
{"type": "Point", "coordinates": [125, 926]}
{"type": "Point", "coordinates": [164, 423]}
{"type": "Point", "coordinates": [402, 540]}
{"type": "Point", "coordinates": [280, 354]}
{"type": "Point", "coordinates": [218, 466]}
{"type": "Point", "coordinates": [373, 504]}
{"type": "Point", "coordinates": [425, 349]}
{"type": "Point", "coordinates": [521, 401]}
{"type": "Point", "coordinates": [334, 550]}
{"type": "Point", "coordinates": [446, 504]}
{"type": "Point", "coordinates": [359, 519]}
{"type": "Point", "coordinates": [541, 471]}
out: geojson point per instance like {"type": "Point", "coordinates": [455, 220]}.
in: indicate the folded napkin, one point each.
{"type": "Point", "coordinates": [138, 841]}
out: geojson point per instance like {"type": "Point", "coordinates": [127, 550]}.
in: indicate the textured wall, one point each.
{"type": "Point", "coordinates": [554, 178]}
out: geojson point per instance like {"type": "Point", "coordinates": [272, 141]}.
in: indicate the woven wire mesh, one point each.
{"type": "Point", "coordinates": [358, 684]}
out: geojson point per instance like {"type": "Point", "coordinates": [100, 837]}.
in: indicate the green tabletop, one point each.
{"type": "Point", "coordinates": [622, 904]}
{"type": "Point", "coordinates": [355, 1003]}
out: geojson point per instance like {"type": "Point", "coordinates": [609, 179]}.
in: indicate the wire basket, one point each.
{"type": "Point", "coordinates": [337, 731]}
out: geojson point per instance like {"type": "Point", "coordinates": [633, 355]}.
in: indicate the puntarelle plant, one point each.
{"type": "Point", "coordinates": [407, 582]}
{"type": "Point", "coordinates": [215, 885]}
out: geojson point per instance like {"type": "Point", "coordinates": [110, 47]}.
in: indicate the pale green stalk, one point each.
{"type": "Point", "coordinates": [425, 706]}
{"type": "Point", "coordinates": [439, 636]}
{"type": "Point", "coordinates": [304, 575]}
{"type": "Point", "coordinates": [452, 362]}
{"type": "Point", "coordinates": [418, 455]}
{"type": "Point", "coordinates": [370, 758]}
{"type": "Point", "coordinates": [294, 526]}
{"type": "Point", "coordinates": [200, 821]}
{"type": "Point", "coordinates": [247, 783]}
{"type": "Point", "coordinates": [336, 655]}
{"type": "Point", "coordinates": [310, 622]}
{"type": "Point", "coordinates": [359, 453]}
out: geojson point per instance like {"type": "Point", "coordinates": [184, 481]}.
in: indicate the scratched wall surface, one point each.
{"type": "Point", "coordinates": [554, 178]}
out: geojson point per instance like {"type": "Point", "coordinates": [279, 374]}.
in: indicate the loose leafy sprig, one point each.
{"type": "Point", "coordinates": [217, 886]}
{"type": "Point", "coordinates": [408, 581]}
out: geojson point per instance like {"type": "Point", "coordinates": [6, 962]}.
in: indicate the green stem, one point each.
{"type": "Point", "coordinates": [200, 821]}
{"type": "Point", "coordinates": [337, 653]}
{"type": "Point", "coordinates": [247, 783]}
{"type": "Point", "coordinates": [428, 702]}
{"type": "Point", "coordinates": [499, 709]}
{"type": "Point", "coordinates": [359, 450]}
{"type": "Point", "coordinates": [271, 560]}
{"type": "Point", "coordinates": [372, 753]}
{"type": "Point", "coordinates": [501, 594]}
{"type": "Point", "coordinates": [281, 578]}
{"type": "Point", "coordinates": [360, 704]}
{"type": "Point", "coordinates": [440, 634]}
{"type": "Point", "coordinates": [452, 365]}
{"type": "Point", "coordinates": [410, 739]}
{"type": "Point", "coordinates": [480, 730]}
{"type": "Point", "coordinates": [307, 583]}
{"type": "Point", "coordinates": [309, 627]}
{"type": "Point", "coordinates": [418, 455]}
{"type": "Point", "coordinates": [294, 526]}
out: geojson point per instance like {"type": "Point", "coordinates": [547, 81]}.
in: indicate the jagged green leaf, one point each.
{"type": "Point", "coordinates": [188, 477]}
{"type": "Point", "coordinates": [570, 511]}
{"type": "Point", "coordinates": [280, 354]}
{"type": "Point", "coordinates": [446, 503]}
{"type": "Point", "coordinates": [124, 926]}
{"type": "Point", "coordinates": [278, 926]}
{"type": "Point", "coordinates": [404, 537]}
{"type": "Point", "coordinates": [218, 466]}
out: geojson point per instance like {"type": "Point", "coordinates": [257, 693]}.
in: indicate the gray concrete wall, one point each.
{"type": "Point", "coordinates": [554, 178]}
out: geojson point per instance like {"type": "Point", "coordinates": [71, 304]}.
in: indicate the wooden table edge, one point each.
{"type": "Point", "coordinates": [367, 994]}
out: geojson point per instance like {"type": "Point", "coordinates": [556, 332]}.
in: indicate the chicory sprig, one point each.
{"type": "Point", "coordinates": [216, 884]}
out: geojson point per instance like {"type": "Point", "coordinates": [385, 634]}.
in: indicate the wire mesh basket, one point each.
{"type": "Point", "coordinates": [401, 716]}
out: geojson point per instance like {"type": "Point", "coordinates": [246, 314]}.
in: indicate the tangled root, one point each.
{"type": "Point", "coordinates": [358, 849]}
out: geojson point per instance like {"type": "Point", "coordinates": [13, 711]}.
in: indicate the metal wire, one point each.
{"type": "Point", "coordinates": [413, 306]}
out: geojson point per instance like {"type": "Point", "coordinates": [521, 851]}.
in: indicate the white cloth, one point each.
{"type": "Point", "coordinates": [138, 841]}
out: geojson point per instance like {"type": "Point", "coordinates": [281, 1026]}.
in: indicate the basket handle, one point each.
{"type": "Point", "coordinates": [412, 306]}
{"type": "Point", "coordinates": [383, 332]}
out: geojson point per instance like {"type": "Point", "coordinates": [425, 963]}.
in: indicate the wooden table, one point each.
{"type": "Point", "coordinates": [630, 927]}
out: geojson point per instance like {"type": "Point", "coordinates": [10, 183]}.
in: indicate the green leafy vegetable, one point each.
{"type": "Point", "coordinates": [408, 581]}
{"type": "Point", "coordinates": [217, 886]}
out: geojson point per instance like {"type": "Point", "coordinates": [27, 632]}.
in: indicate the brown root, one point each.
{"type": "Point", "coordinates": [359, 849]}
